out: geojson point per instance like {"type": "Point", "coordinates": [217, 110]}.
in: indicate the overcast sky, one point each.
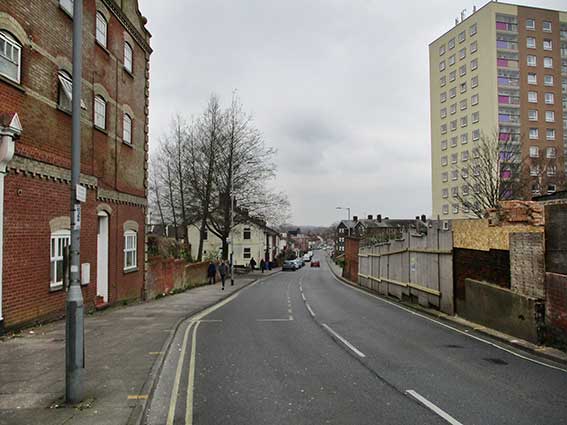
{"type": "Point", "coordinates": [338, 87]}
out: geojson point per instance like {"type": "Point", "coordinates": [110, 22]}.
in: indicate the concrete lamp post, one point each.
{"type": "Point", "coordinates": [10, 130]}
{"type": "Point", "coordinates": [345, 208]}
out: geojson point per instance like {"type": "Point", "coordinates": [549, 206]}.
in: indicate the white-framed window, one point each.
{"type": "Point", "coordinates": [453, 92]}
{"type": "Point", "coordinates": [463, 104]}
{"type": "Point", "coordinates": [101, 29]}
{"type": "Point", "coordinates": [452, 76]}
{"type": "Point", "coordinates": [453, 109]}
{"type": "Point", "coordinates": [445, 177]}
{"type": "Point", "coordinates": [532, 114]}
{"type": "Point", "coordinates": [66, 92]}
{"type": "Point", "coordinates": [472, 30]}
{"type": "Point", "coordinates": [547, 44]}
{"type": "Point", "coordinates": [445, 193]}
{"type": "Point", "coordinates": [463, 87]}
{"type": "Point", "coordinates": [546, 26]}
{"type": "Point", "coordinates": [534, 170]}
{"type": "Point", "coordinates": [443, 97]}
{"type": "Point", "coordinates": [462, 36]}
{"type": "Point", "coordinates": [551, 170]}
{"type": "Point", "coordinates": [476, 134]}
{"type": "Point", "coordinates": [549, 116]}
{"type": "Point", "coordinates": [443, 81]}
{"type": "Point", "coordinates": [442, 66]}
{"type": "Point", "coordinates": [443, 113]}
{"type": "Point", "coordinates": [474, 64]}
{"type": "Point", "coordinates": [532, 96]}
{"type": "Point", "coordinates": [454, 158]}
{"type": "Point", "coordinates": [128, 57]}
{"type": "Point", "coordinates": [451, 43]}
{"type": "Point", "coordinates": [10, 57]}
{"type": "Point", "coordinates": [534, 152]}
{"type": "Point", "coordinates": [535, 188]}
{"type": "Point", "coordinates": [100, 112]}
{"type": "Point", "coordinates": [465, 175]}
{"type": "Point", "coordinates": [443, 128]}
{"type": "Point", "coordinates": [532, 60]}
{"type": "Point", "coordinates": [67, 6]}
{"type": "Point", "coordinates": [464, 121]}
{"type": "Point", "coordinates": [453, 125]}
{"type": "Point", "coordinates": [532, 78]}
{"type": "Point", "coordinates": [130, 250]}
{"type": "Point", "coordinates": [531, 43]}
{"type": "Point", "coordinates": [127, 129]}
{"type": "Point", "coordinates": [548, 62]}
{"type": "Point", "coordinates": [59, 240]}
{"type": "Point", "coordinates": [474, 47]}
{"type": "Point", "coordinates": [463, 70]}
{"type": "Point", "coordinates": [454, 175]}
{"type": "Point", "coordinates": [455, 208]}
{"type": "Point", "coordinates": [548, 80]}
{"type": "Point", "coordinates": [474, 99]}
{"type": "Point", "coordinates": [452, 60]}
{"type": "Point", "coordinates": [530, 24]}
{"type": "Point", "coordinates": [533, 133]}
{"type": "Point", "coordinates": [464, 138]}
{"type": "Point", "coordinates": [463, 53]}
{"type": "Point", "coordinates": [441, 50]}
{"type": "Point", "coordinates": [551, 152]}
{"type": "Point", "coordinates": [247, 253]}
{"type": "Point", "coordinates": [464, 155]}
{"type": "Point", "coordinates": [474, 81]}
{"type": "Point", "coordinates": [445, 209]}
{"type": "Point", "coordinates": [549, 98]}
{"type": "Point", "coordinates": [247, 233]}
{"type": "Point", "coordinates": [455, 191]}
{"type": "Point", "coordinates": [454, 140]}
{"type": "Point", "coordinates": [550, 134]}
{"type": "Point", "coordinates": [551, 188]}
{"type": "Point", "coordinates": [443, 145]}
{"type": "Point", "coordinates": [444, 161]}
{"type": "Point", "coordinates": [476, 153]}
{"type": "Point", "coordinates": [475, 117]}
{"type": "Point", "coordinates": [465, 189]}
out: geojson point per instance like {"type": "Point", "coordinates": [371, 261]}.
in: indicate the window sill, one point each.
{"type": "Point", "coordinates": [103, 47]}
{"type": "Point", "coordinates": [102, 130]}
{"type": "Point", "coordinates": [65, 111]}
{"type": "Point", "coordinates": [12, 83]}
{"type": "Point", "coordinates": [127, 71]}
{"type": "Point", "coordinates": [127, 144]}
{"type": "Point", "coordinates": [66, 12]}
{"type": "Point", "coordinates": [55, 288]}
{"type": "Point", "coordinates": [130, 270]}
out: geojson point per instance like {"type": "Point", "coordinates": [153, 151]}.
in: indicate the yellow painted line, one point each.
{"type": "Point", "coordinates": [191, 382]}
{"type": "Point", "coordinates": [138, 397]}
{"type": "Point", "coordinates": [175, 390]}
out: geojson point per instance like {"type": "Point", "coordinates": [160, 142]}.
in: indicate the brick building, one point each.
{"type": "Point", "coordinates": [36, 83]}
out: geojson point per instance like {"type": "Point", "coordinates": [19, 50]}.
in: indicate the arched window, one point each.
{"type": "Point", "coordinates": [100, 112]}
{"type": "Point", "coordinates": [127, 129]}
{"type": "Point", "coordinates": [128, 57]}
{"type": "Point", "coordinates": [65, 100]}
{"type": "Point", "coordinates": [130, 249]}
{"type": "Point", "coordinates": [60, 239]}
{"type": "Point", "coordinates": [101, 29]}
{"type": "Point", "coordinates": [10, 57]}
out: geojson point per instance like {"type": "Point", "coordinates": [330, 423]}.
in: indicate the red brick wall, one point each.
{"type": "Point", "coordinates": [165, 274]}
{"type": "Point", "coordinates": [350, 270]}
{"type": "Point", "coordinates": [556, 306]}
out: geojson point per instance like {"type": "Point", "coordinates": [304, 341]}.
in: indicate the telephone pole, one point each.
{"type": "Point", "coordinates": [74, 309]}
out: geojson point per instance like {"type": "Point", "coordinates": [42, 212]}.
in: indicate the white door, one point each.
{"type": "Point", "coordinates": [102, 257]}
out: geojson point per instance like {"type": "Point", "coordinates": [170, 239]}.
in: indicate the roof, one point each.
{"type": "Point", "coordinates": [560, 194]}
{"type": "Point", "coordinates": [386, 223]}
{"type": "Point", "coordinates": [348, 223]}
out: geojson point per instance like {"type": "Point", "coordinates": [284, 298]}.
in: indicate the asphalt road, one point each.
{"type": "Point", "coordinates": [303, 348]}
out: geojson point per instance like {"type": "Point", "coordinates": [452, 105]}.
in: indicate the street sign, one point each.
{"type": "Point", "coordinates": [81, 193]}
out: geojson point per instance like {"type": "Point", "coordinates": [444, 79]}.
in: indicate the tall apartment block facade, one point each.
{"type": "Point", "coordinates": [36, 84]}
{"type": "Point", "coordinates": [500, 74]}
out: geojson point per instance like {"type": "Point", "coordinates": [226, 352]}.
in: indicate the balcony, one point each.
{"type": "Point", "coordinates": [506, 26]}
{"type": "Point", "coordinates": [508, 119]}
{"type": "Point", "coordinates": [508, 100]}
{"type": "Point", "coordinates": [508, 82]}
{"type": "Point", "coordinates": [507, 63]}
{"type": "Point", "coordinates": [509, 45]}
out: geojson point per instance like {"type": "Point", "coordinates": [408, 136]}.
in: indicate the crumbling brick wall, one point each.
{"type": "Point", "coordinates": [527, 264]}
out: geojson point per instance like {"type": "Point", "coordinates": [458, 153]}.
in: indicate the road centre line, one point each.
{"type": "Point", "coordinates": [191, 381]}
{"type": "Point", "coordinates": [433, 407]}
{"type": "Point", "coordinates": [275, 320]}
{"type": "Point", "coordinates": [344, 341]}
{"type": "Point", "coordinates": [311, 312]}
{"type": "Point", "coordinates": [451, 327]}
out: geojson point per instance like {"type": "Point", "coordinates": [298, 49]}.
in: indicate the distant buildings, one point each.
{"type": "Point", "coordinates": [36, 83]}
{"type": "Point", "coordinates": [501, 72]}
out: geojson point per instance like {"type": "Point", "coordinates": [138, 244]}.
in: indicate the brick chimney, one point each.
{"type": "Point", "coordinates": [355, 218]}
{"type": "Point", "coordinates": [379, 218]}
{"type": "Point", "coordinates": [370, 217]}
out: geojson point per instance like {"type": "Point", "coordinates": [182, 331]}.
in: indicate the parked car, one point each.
{"type": "Point", "coordinates": [307, 258]}
{"type": "Point", "coordinates": [290, 265]}
{"type": "Point", "coordinates": [315, 263]}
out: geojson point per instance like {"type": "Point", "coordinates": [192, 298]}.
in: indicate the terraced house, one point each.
{"type": "Point", "coordinates": [35, 91]}
{"type": "Point", "coordinates": [500, 72]}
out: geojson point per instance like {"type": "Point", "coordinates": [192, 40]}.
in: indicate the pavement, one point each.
{"type": "Point", "coordinates": [305, 348]}
{"type": "Point", "coordinates": [125, 348]}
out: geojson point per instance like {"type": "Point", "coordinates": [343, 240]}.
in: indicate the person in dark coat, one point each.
{"type": "Point", "coordinates": [212, 273]}
{"type": "Point", "coordinates": [262, 265]}
{"type": "Point", "coordinates": [223, 271]}
{"type": "Point", "coordinates": [253, 264]}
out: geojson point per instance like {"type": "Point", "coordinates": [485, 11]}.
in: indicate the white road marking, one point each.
{"type": "Point", "coordinates": [275, 320]}
{"type": "Point", "coordinates": [499, 347]}
{"type": "Point", "coordinates": [311, 312]}
{"type": "Point", "coordinates": [191, 381]}
{"type": "Point", "coordinates": [433, 407]}
{"type": "Point", "coordinates": [175, 390]}
{"type": "Point", "coordinates": [344, 341]}
{"type": "Point", "coordinates": [303, 296]}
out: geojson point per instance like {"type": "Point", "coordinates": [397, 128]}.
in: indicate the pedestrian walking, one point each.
{"type": "Point", "coordinates": [262, 265]}
{"type": "Point", "coordinates": [212, 273]}
{"type": "Point", "coordinates": [253, 264]}
{"type": "Point", "coordinates": [223, 271]}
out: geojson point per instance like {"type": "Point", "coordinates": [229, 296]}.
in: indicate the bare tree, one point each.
{"type": "Point", "coordinates": [492, 175]}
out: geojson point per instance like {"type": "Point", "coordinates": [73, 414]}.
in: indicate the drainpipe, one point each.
{"type": "Point", "coordinates": [8, 135]}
